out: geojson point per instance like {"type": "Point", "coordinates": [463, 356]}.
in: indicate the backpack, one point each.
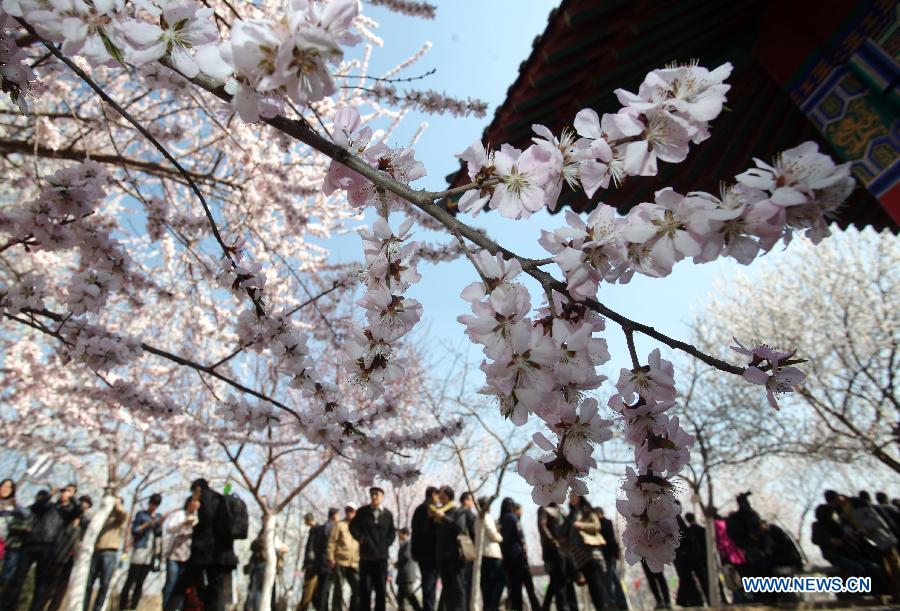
{"type": "Point", "coordinates": [232, 517]}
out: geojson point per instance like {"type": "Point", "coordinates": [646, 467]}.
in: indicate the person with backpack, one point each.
{"type": "Point", "coordinates": [220, 520]}
{"type": "Point", "coordinates": [146, 535]}
{"type": "Point", "coordinates": [451, 523]}
{"type": "Point", "coordinates": [373, 527]}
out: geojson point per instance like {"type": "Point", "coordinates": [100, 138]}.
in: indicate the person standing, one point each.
{"type": "Point", "coordinates": [451, 522]}
{"type": "Point", "coordinates": [467, 502]}
{"type": "Point", "coordinates": [146, 532]}
{"type": "Point", "coordinates": [310, 577]}
{"type": "Point", "coordinates": [180, 529]}
{"type": "Point", "coordinates": [106, 551]}
{"type": "Point", "coordinates": [422, 539]}
{"type": "Point", "coordinates": [13, 526]}
{"type": "Point", "coordinates": [515, 556]}
{"type": "Point", "coordinates": [37, 549]}
{"type": "Point", "coordinates": [212, 549]}
{"type": "Point", "coordinates": [323, 566]}
{"type": "Point", "coordinates": [658, 586]}
{"type": "Point", "coordinates": [64, 557]}
{"type": "Point", "coordinates": [493, 577]}
{"type": "Point", "coordinates": [343, 556]}
{"type": "Point", "coordinates": [373, 527]}
{"type": "Point", "coordinates": [688, 593]}
{"type": "Point", "coordinates": [612, 553]}
{"type": "Point", "coordinates": [583, 540]}
{"type": "Point", "coordinates": [550, 521]}
{"type": "Point", "coordinates": [406, 573]}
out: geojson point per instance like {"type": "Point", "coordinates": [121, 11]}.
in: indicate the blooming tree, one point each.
{"type": "Point", "coordinates": [277, 93]}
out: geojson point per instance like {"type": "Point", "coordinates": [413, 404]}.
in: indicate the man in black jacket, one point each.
{"type": "Point", "coordinates": [451, 522]}
{"type": "Point", "coordinates": [212, 551]}
{"type": "Point", "coordinates": [310, 576]}
{"type": "Point", "coordinates": [373, 527]}
{"type": "Point", "coordinates": [422, 547]}
{"type": "Point", "coordinates": [39, 545]}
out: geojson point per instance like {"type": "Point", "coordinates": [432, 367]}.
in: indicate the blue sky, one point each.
{"type": "Point", "coordinates": [477, 49]}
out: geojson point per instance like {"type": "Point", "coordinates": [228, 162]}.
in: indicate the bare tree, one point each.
{"type": "Point", "coordinates": [839, 306]}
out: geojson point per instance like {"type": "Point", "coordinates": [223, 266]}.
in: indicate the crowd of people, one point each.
{"type": "Point", "coordinates": [194, 545]}
{"type": "Point", "coordinates": [353, 554]}
{"type": "Point", "coordinates": [197, 556]}
{"type": "Point", "coordinates": [860, 537]}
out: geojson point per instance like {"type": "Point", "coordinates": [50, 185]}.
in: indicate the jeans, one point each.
{"type": "Point", "coordinates": [350, 576]}
{"type": "Point", "coordinates": [518, 575]}
{"type": "Point", "coordinates": [103, 563]}
{"type": "Point", "coordinates": [658, 586]}
{"type": "Point", "coordinates": [594, 573]}
{"type": "Point", "coordinates": [323, 589]}
{"type": "Point", "coordinates": [555, 564]}
{"type": "Point", "coordinates": [614, 585]}
{"type": "Point", "coordinates": [254, 588]}
{"type": "Point", "coordinates": [429, 584]}
{"type": "Point", "coordinates": [372, 578]}
{"type": "Point", "coordinates": [134, 586]}
{"type": "Point", "coordinates": [174, 569]}
{"type": "Point", "coordinates": [453, 586]}
{"type": "Point", "coordinates": [493, 580]}
{"type": "Point", "coordinates": [10, 562]}
{"type": "Point", "coordinates": [207, 581]}
{"type": "Point", "coordinates": [40, 554]}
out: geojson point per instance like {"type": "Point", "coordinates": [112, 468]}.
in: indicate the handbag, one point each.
{"type": "Point", "coordinates": [466, 547]}
{"type": "Point", "coordinates": [592, 540]}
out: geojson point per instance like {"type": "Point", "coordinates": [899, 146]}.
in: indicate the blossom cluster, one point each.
{"type": "Point", "coordinates": [400, 164]}
{"type": "Point", "coordinates": [27, 294]}
{"type": "Point", "coordinates": [748, 218]}
{"type": "Point", "coordinates": [540, 366]}
{"type": "Point", "coordinates": [135, 399]}
{"type": "Point", "coordinates": [431, 102]}
{"type": "Point", "coordinates": [97, 347]}
{"type": "Point", "coordinates": [245, 416]}
{"type": "Point", "coordinates": [261, 61]}
{"type": "Point", "coordinates": [671, 110]}
{"type": "Point", "coordinates": [389, 271]}
{"type": "Point", "coordinates": [661, 450]}
{"type": "Point", "coordinates": [767, 369]}
{"type": "Point", "coordinates": [58, 220]}
{"type": "Point", "coordinates": [17, 79]}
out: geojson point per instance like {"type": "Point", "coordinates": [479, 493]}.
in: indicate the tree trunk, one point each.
{"type": "Point", "coordinates": [712, 561]}
{"type": "Point", "coordinates": [85, 551]}
{"type": "Point", "coordinates": [475, 594]}
{"type": "Point", "coordinates": [265, 598]}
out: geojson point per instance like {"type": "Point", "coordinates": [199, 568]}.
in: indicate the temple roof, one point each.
{"type": "Point", "coordinates": [590, 48]}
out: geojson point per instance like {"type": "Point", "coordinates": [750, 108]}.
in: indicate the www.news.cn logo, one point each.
{"type": "Point", "coordinates": [835, 585]}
